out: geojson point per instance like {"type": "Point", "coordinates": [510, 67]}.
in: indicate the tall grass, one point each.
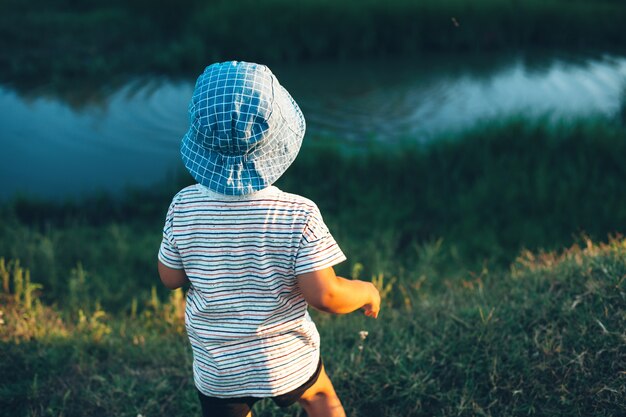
{"type": "Point", "coordinates": [58, 43]}
{"type": "Point", "coordinates": [525, 342]}
{"type": "Point", "coordinates": [544, 338]}
{"type": "Point", "coordinates": [462, 203]}
{"type": "Point", "coordinates": [488, 192]}
{"type": "Point", "coordinates": [473, 323]}
{"type": "Point", "coordinates": [80, 360]}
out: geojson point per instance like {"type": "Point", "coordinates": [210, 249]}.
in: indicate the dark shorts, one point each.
{"type": "Point", "coordinates": [241, 406]}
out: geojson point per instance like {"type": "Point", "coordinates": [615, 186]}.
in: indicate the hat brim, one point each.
{"type": "Point", "coordinates": [258, 169]}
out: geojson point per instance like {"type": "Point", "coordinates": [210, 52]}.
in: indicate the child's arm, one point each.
{"type": "Point", "coordinates": [327, 292]}
{"type": "Point", "coordinates": [172, 278]}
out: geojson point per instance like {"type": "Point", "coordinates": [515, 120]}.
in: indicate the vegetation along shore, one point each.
{"type": "Point", "coordinates": [544, 338]}
{"type": "Point", "coordinates": [499, 297]}
{"type": "Point", "coordinates": [62, 42]}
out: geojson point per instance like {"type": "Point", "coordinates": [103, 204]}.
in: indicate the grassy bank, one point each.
{"type": "Point", "coordinates": [472, 324]}
{"type": "Point", "coordinates": [544, 338]}
{"type": "Point", "coordinates": [462, 203]}
{"type": "Point", "coordinates": [57, 43]}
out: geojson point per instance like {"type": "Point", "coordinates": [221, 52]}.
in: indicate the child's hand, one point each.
{"type": "Point", "coordinates": [372, 308]}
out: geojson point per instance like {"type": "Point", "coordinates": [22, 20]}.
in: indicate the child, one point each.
{"type": "Point", "coordinates": [255, 257]}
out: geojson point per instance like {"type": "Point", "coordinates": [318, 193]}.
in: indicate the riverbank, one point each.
{"type": "Point", "coordinates": [544, 338]}
{"type": "Point", "coordinates": [58, 43]}
{"type": "Point", "coordinates": [472, 322]}
{"type": "Point", "coordinates": [462, 203]}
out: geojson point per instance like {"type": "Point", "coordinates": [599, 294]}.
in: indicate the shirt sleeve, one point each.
{"type": "Point", "coordinates": [318, 249]}
{"type": "Point", "coordinates": [168, 252]}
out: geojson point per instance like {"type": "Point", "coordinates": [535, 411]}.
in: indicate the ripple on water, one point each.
{"type": "Point", "coordinates": [53, 149]}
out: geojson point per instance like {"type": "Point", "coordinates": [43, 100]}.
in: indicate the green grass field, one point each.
{"type": "Point", "coordinates": [485, 312]}
{"type": "Point", "coordinates": [545, 338]}
{"type": "Point", "coordinates": [487, 194]}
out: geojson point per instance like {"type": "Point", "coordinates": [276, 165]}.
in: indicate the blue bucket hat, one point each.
{"type": "Point", "coordinates": [245, 129]}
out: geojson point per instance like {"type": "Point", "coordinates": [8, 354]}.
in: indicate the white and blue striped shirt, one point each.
{"type": "Point", "coordinates": [246, 319]}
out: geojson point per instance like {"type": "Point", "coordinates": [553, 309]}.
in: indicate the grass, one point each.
{"type": "Point", "coordinates": [80, 360]}
{"type": "Point", "coordinates": [488, 192]}
{"type": "Point", "coordinates": [474, 199]}
{"type": "Point", "coordinates": [485, 313]}
{"type": "Point", "coordinates": [57, 43]}
{"type": "Point", "coordinates": [544, 338]}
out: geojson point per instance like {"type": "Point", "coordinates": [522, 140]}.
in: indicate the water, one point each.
{"type": "Point", "coordinates": [64, 147]}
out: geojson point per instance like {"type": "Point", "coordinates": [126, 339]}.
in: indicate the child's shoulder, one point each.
{"type": "Point", "coordinates": [187, 193]}
{"type": "Point", "coordinates": [302, 205]}
{"type": "Point", "coordinates": [199, 193]}
{"type": "Point", "coordinates": [296, 199]}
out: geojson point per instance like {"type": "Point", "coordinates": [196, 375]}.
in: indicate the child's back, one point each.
{"type": "Point", "coordinates": [245, 310]}
{"type": "Point", "coordinates": [254, 256]}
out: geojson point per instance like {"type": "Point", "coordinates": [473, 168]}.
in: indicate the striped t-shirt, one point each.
{"type": "Point", "coordinates": [246, 319]}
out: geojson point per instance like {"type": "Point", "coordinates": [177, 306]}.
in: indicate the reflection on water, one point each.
{"type": "Point", "coordinates": [51, 148]}
{"type": "Point", "coordinates": [417, 100]}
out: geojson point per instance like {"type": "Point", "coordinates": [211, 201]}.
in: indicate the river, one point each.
{"type": "Point", "coordinates": [59, 148]}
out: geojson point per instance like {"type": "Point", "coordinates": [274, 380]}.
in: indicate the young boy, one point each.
{"type": "Point", "coordinates": [255, 257]}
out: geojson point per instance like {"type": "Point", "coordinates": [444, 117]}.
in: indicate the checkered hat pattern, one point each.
{"type": "Point", "coordinates": [245, 129]}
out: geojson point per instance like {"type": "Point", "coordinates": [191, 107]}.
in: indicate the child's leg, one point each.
{"type": "Point", "coordinates": [320, 400]}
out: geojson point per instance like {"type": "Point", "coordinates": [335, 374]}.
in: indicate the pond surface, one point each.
{"type": "Point", "coordinates": [63, 147]}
